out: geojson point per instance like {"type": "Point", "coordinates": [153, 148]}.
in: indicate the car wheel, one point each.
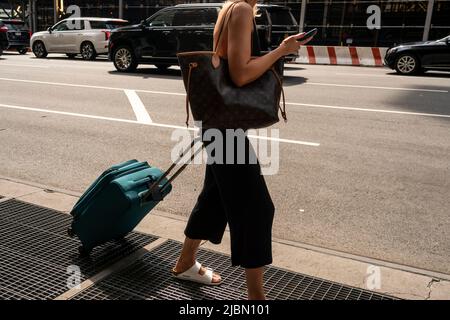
{"type": "Point", "coordinates": [88, 51]}
{"type": "Point", "coordinates": [162, 66]}
{"type": "Point", "coordinates": [39, 50]}
{"type": "Point", "coordinates": [71, 55]}
{"type": "Point", "coordinates": [124, 59]}
{"type": "Point", "coordinates": [22, 50]}
{"type": "Point", "coordinates": [407, 64]}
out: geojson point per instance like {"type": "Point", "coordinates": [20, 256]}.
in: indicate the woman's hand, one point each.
{"type": "Point", "coordinates": [290, 45]}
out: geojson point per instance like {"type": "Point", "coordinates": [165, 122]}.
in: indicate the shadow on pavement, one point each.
{"type": "Point", "coordinates": [428, 74]}
{"type": "Point", "coordinates": [422, 102]}
{"type": "Point", "coordinates": [147, 73]}
{"type": "Point", "coordinates": [14, 53]}
{"type": "Point", "coordinates": [293, 66]}
{"type": "Point", "coordinates": [64, 58]}
{"type": "Point", "coordinates": [289, 81]}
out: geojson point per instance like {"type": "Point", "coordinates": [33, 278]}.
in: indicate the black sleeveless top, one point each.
{"type": "Point", "coordinates": [256, 46]}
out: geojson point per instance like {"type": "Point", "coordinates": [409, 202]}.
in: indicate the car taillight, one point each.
{"type": "Point", "coordinates": [4, 29]}
{"type": "Point", "coordinates": [30, 33]}
{"type": "Point", "coordinates": [107, 35]}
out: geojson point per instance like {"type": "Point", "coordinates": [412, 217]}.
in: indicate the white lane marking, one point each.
{"type": "Point", "coordinates": [312, 144]}
{"type": "Point", "coordinates": [22, 65]}
{"type": "Point", "coordinates": [153, 124]}
{"type": "Point", "coordinates": [139, 109]}
{"type": "Point", "coordinates": [368, 75]}
{"type": "Point", "coordinates": [90, 87]}
{"type": "Point", "coordinates": [369, 110]}
{"type": "Point", "coordinates": [184, 95]}
{"type": "Point", "coordinates": [373, 87]}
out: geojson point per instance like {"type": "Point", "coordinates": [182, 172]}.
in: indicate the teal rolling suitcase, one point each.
{"type": "Point", "coordinates": [118, 200]}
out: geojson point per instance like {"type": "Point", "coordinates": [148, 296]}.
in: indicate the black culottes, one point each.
{"type": "Point", "coordinates": [235, 194]}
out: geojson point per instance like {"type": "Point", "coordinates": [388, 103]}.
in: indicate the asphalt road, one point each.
{"type": "Point", "coordinates": [365, 169]}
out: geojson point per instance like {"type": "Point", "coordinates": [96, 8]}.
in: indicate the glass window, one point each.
{"type": "Point", "coordinates": [281, 17]}
{"type": "Point", "coordinates": [195, 17]}
{"type": "Point", "coordinates": [210, 16]}
{"type": "Point", "coordinates": [164, 19]}
{"type": "Point", "coordinates": [15, 25]}
{"type": "Point", "coordinates": [61, 26]}
{"type": "Point", "coordinates": [110, 25]}
{"type": "Point", "coordinates": [440, 22]}
{"type": "Point", "coordinates": [75, 25]}
{"type": "Point", "coordinates": [343, 22]}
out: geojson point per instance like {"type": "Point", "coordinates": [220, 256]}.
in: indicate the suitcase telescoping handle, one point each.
{"type": "Point", "coordinates": [155, 192]}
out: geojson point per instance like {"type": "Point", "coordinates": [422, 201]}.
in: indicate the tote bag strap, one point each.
{"type": "Point", "coordinates": [194, 65]}
{"type": "Point", "coordinates": [225, 21]}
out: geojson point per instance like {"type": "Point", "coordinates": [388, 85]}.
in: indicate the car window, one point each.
{"type": "Point", "coordinates": [282, 17]}
{"type": "Point", "coordinates": [195, 17]}
{"type": "Point", "coordinates": [210, 16]}
{"type": "Point", "coordinates": [15, 25]}
{"type": "Point", "coordinates": [75, 25]}
{"type": "Point", "coordinates": [61, 26]}
{"type": "Point", "coordinates": [110, 25]}
{"type": "Point", "coordinates": [164, 19]}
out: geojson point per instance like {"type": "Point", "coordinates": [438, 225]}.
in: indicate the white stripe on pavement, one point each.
{"type": "Point", "coordinates": [22, 65]}
{"type": "Point", "coordinates": [373, 87]}
{"type": "Point", "coordinates": [141, 113]}
{"type": "Point", "coordinates": [183, 95]}
{"type": "Point", "coordinates": [369, 110]}
{"type": "Point", "coordinates": [368, 75]}
{"type": "Point", "coordinates": [90, 87]}
{"type": "Point", "coordinates": [153, 124]}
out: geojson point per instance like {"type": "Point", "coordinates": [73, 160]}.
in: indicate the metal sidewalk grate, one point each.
{"type": "Point", "coordinates": [36, 251]}
{"type": "Point", "coordinates": [150, 278]}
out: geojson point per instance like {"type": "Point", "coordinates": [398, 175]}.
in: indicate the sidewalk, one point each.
{"type": "Point", "coordinates": [140, 268]}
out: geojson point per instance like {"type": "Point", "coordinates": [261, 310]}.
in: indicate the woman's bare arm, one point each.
{"type": "Point", "coordinates": [243, 69]}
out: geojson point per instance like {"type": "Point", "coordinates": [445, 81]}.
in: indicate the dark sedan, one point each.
{"type": "Point", "coordinates": [415, 57]}
{"type": "Point", "coordinates": [14, 35]}
{"type": "Point", "coordinates": [3, 38]}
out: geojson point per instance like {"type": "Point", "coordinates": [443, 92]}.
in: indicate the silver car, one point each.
{"type": "Point", "coordinates": [86, 36]}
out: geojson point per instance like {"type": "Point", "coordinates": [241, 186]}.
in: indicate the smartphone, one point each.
{"type": "Point", "coordinates": [309, 34]}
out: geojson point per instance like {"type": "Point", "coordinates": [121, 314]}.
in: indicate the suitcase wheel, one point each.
{"type": "Point", "coordinates": [84, 252]}
{"type": "Point", "coordinates": [70, 232]}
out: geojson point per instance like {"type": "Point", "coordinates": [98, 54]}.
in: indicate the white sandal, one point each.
{"type": "Point", "coordinates": [193, 275]}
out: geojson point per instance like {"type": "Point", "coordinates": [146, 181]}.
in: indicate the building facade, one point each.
{"type": "Point", "coordinates": [340, 22]}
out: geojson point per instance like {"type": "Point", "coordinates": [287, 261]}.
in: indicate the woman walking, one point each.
{"type": "Point", "coordinates": [235, 194]}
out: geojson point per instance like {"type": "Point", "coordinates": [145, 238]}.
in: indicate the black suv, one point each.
{"type": "Point", "coordinates": [189, 27]}
{"type": "Point", "coordinates": [14, 35]}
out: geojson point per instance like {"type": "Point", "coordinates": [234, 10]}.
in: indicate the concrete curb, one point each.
{"type": "Point", "coordinates": [397, 280]}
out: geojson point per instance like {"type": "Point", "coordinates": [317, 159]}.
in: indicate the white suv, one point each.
{"type": "Point", "coordinates": [86, 36]}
